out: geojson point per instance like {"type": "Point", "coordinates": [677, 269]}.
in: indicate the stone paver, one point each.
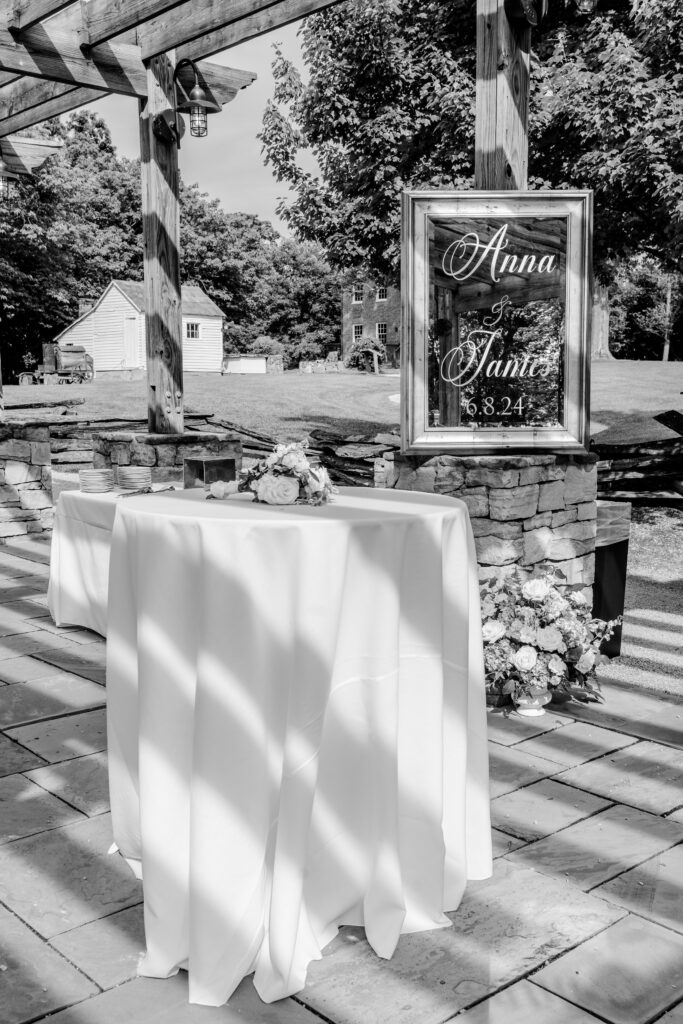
{"type": "Point", "coordinates": [601, 847]}
{"type": "Point", "coordinates": [26, 809]}
{"type": "Point", "coordinates": [576, 743]}
{"type": "Point", "coordinates": [61, 738]}
{"type": "Point", "coordinates": [543, 808]}
{"type": "Point", "coordinates": [148, 1001]}
{"type": "Point", "coordinates": [15, 758]}
{"type": "Point", "coordinates": [11, 623]}
{"type": "Point", "coordinates": [87, 660]}
{"type": "Point", "coordinates": [64, 878]}
{"type": "Point", "coordinates": [504, 927]}
{"type": "Point", "coordinates": [513, 728]}
{"type": "Point", "coordinates": [47, 697]}
{"type": "Point", "coordinates": [646, 775]}
{"type": "Point", "coordinates": [650, 716]}
{"type": "Point", "coordinates": [107, 950]}
{"type": "Point", "coordinates": [57, 879]}
{"type": "Point", "coordinates": [503, 843]}
{"type": "Point", "coordinates": [34, 980]}
{"type": "Point", "coordinates": [23, 668]}
{"type": "Point", "coordinates": [82, 782]}
{"type": "Point", "coordinates": [510, 769]}
{"type": "Point", "coordinates": [627, 974]}
{"type": "Point", "coordinates": [653, 890]}
{"type": "Point", "coordinates": [525, 1003]}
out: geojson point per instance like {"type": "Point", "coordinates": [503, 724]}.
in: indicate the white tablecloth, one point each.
{"type": "Point", "coordinates": [297, 735]}
{"type": "Point", "coordinates": [79, 559]}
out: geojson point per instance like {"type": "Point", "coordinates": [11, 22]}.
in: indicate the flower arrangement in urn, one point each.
{"type": "Point", "coordinates": [286, 477]}
{"type": "Point", "coordinates": [539, 643]}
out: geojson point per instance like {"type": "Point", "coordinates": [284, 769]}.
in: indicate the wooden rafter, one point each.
{"type": "Point", "coordinates": [118, 69]}
{"type": "Point", "coordinates": [30, 12]}
{"type": "Point", "coordinates": [62, 104]}
{"type": "Point", "coordinates": [8, 76]}
{"type": "Point", "coordinates": [199, 18]}
{"type": "Point", "coordinates": [24, 156]}
{"type": "Point", "coordinates": [105, 19]}
{"type": "Point", "coordinates": [24, 94]}
{"type": "Point", "coordinates": [251, 26]}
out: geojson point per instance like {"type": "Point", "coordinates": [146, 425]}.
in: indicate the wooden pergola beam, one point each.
{"type": "Point", "coordinates": [118, 69]}
{"type": "Point", "coordinates": [200, 27]}
{"type": "Point", "coordinates": [105, 19]}
{"type": "Point", "coordinates": [24, 94]}
{"type": "Point", "coordinates": [62, 104]}
{"type": "Point", "coordinates": [27, 13]}
{"type": "Point", "coordinates": [24, 156]}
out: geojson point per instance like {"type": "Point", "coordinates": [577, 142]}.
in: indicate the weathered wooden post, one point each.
{"type": "Point", "coordinates": [161, 238]}
{"type": "Point", "coordinates": [502, 106]}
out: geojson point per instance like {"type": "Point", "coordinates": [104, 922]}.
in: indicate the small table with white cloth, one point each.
{"type": "Point", "coordinates": [297, 726]}
{"type": "Point", "coordinates": [79, 559]}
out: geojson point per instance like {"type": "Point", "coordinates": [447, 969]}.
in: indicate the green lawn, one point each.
{"type": "Point", "coordinates": [625, 396]}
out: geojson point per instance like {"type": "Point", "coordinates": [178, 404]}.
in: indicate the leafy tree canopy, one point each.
{"type": "Point", "coordinates": [388, 103]}
{"type": "Point", "coordinates": [78, 223]}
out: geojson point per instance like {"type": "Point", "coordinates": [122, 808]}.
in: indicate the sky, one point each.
{"type": "Point", "coordinates": [227, 163]}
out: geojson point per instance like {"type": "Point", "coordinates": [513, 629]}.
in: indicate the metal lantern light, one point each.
{"type": "Point", "coordinates": [7, 179]}
{"type": "Point", "coordinates": [198, 105]}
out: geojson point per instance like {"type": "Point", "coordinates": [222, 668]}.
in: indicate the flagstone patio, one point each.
{"type": "Point", "coordinates": [582, 920]}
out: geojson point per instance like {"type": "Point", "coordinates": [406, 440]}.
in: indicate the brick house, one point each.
{"type": "Point", "coordinates": [372, 311]}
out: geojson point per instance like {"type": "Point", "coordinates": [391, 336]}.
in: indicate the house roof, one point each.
{"type": "Point", "coordinates": [195, 301]}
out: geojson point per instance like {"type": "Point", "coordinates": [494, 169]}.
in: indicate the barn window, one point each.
{"type": "Point", "coordinates": [192, 330]}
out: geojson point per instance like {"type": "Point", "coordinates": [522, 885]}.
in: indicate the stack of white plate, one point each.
{"type": "Point", "coordinates": [134, 478]}
{"type": "Point", "coordinates": [96, 480]}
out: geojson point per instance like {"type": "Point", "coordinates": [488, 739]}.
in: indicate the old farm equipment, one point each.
{"type": "Point", "coordinates": [62, 364]}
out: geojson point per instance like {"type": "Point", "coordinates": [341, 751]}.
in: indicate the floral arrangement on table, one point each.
{"type": "Point", "coordinates": [539, 643]}
{"type": "Point", "coordinates": [286, 477]}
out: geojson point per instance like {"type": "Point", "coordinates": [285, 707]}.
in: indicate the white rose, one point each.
{"type": "Point", "coordinates": [318, 479]}
{"type": "Point", "coordinates": [277, 489]}
{"type": "Point", "coordinates": [536, 589]}
{"type": "Point", "coordinates": [295, 461]}
{"type": "Point", "coordinates": [223, 488]}
{"type": "Point", "coordinates": [492, 630]}
{"type": "Point", "coordinates": [586, 662]}
{"type": "Point", "coordinates": [524, 659]}
{"type": "Point", "coordinates": [556, 666]}
{"type": "Point", "coordinates": [576, 597]}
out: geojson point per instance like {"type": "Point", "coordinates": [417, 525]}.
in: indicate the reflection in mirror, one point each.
{"type": "Point", "coordinates": [497, 336]}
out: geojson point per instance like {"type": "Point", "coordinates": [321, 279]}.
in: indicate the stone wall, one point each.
{"type": "Point", "coordinates": [526, 510]}
{"type": "Point", "coordinates": [163, 453]}
{"type": "Point", "coordinates": [25, 479]}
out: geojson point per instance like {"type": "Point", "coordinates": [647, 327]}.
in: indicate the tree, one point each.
{"type": "Point", "coordinates": [388, 104]}
{"type": "Point", "coordinates": [78, 223]}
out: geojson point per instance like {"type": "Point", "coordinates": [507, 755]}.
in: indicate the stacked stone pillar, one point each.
{"type": "Point", "coordinates": [526, 510]}
{"type": "Point", "coordinates": [25, 479]}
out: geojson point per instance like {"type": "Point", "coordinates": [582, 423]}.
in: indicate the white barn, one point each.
{"type": "Point", "coordinates": [113, 332]}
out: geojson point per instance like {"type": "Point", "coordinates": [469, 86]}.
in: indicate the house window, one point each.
{"type": "Point", "coordinates": [381, 294]}
{"type": "Point", "coordinates": [358, 293]}
{"type": "Point", "coordinates": [192, 331]}
{"type": "Point", "coordinates": [382, 333]}
{"type": "Point", "coordinates": [357, 332]}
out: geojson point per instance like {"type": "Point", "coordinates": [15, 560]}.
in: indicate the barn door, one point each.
{"type": "Point", "coordinates": [130, 341]}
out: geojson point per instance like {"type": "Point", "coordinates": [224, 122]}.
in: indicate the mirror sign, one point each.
{"type": "Point", "coordinates": [496, 304]}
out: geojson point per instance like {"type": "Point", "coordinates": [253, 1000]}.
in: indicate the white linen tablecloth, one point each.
{"type": "Point", "coordinates": [79, 559]}
{"type": "Point", "coordinates": [297, 727]}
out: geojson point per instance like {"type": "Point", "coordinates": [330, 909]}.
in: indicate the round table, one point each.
{"type": "Point", "coordinates": [297, 726]}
